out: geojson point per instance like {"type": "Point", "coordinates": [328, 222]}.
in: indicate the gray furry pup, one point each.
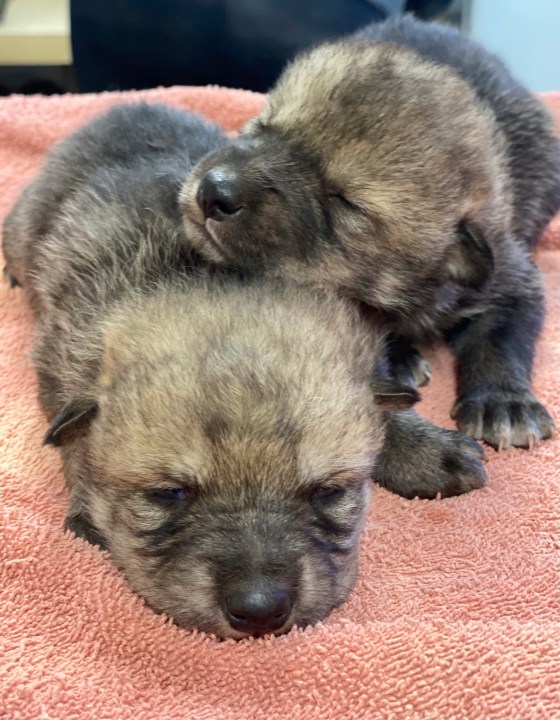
{"type": "Point", "coordinates": [218, 433]}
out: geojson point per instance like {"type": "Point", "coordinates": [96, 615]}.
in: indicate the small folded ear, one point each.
{"type": "Point", "coordinates": [72, 420]}
{"type": "Point", "coordinates": [471, 261]}
{"type": "Point", "coordinates": [390, 396]}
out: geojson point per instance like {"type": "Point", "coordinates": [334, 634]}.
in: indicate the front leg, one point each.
{"type": "Point", "coordinates": [422, 460]}
{"type": "Point", "coordinates": [495, 351]}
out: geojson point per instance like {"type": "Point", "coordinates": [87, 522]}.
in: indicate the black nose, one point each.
{"type": "Point", "coordinates": [257, 610]}
{"type": "Point", "coordinates": [219, 194]}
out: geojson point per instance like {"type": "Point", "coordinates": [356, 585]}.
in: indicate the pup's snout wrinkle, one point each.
{"type": "Point", "coordinates": [257, 608]}
{"type": "Point", "coordinates": [219, 194]}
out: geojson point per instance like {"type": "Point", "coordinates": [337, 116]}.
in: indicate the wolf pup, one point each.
{"type": "Point", "coordinates": [218, 436]}
{"type": "Point", "coordinates": [406, 168]}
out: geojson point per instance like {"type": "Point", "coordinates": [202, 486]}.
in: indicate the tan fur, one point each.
{"type": "Point", "coordinates": [290, 405]}
{"type": "Point", "coordinates": [414, 152]}
{"type": "Point", "coordinates": [431, 154]}
{"type": "Point", "coordinates": [210, 352]}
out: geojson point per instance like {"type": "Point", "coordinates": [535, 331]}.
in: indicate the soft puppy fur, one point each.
{"type": "Point", "coordinates": [406, 168]}
{"type": "Point", "coordinates": [218, 434]}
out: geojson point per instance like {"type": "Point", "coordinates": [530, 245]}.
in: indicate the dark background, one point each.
{"type": "Point", "coordinates": [135, 44]}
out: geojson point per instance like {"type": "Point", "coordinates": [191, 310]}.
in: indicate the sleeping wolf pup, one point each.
{"type": "Point", "coordinates": [406, 168]}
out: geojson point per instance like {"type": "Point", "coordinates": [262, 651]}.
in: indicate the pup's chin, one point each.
{"type": "Point", "coordinates": [203, 240]}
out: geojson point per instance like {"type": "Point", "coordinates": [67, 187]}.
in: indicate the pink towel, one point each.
{"type": "Point", "coordinates": [455, 615]}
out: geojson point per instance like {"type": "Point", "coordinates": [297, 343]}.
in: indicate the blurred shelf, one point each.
{"type": "Point", "coordinates": [35, 32]}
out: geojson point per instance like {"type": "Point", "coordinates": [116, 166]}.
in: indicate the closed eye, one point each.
{"type": "Point", "coordinates": [335, 487]}
{"type": "Point", "coordinates": [342, 199]}
{"type": "Point", "coordinates": [328, 494]}
{"type": "Point", "coordinates": [171, 495]}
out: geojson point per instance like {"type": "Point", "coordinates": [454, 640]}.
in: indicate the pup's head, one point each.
{"type": "Point", "coordinates": [228, 454]}
{"type": "Point", "coordinates": [370, 169]}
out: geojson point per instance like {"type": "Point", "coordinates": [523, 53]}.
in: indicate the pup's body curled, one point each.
{"type": "Point", "coordinates": [405, 167]}
{"type": "Point", "coordinates": [218, 437]}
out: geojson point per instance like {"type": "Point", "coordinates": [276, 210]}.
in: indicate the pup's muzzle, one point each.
{"type": "Point", "coordinates": [220, 194]}
{"type": "Point", "coordinates": [257, 606]}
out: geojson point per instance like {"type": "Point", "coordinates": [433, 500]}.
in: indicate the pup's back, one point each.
{"type": "Point", "coordinates": [533, 151]}
{"type": "Point", "coordinates": [100, 181]}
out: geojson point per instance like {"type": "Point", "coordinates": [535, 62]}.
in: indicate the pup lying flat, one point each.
{"type": "Point", "coordinates": [406, 168]}
{"type": "Point", "coordinates": [218, 437]}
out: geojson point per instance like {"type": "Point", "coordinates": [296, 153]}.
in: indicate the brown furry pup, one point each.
{"type": "Point", "coordinates": [407, 169]}
{"type": "Point", "coordinates": [218, 435]}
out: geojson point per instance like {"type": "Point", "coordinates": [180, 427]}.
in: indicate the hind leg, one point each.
{"type": "Point", "coordinates": [17, 239]}
{"type": "Point", "coordinates": [12, 281]}
{"type": "Point", "coordinates": [11, 248]}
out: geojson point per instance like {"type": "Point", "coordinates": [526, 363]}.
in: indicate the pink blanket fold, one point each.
{"type": "Point", "coordinates": [455, 615]}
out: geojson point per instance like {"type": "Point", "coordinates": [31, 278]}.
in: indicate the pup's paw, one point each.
{"type": "Point", "coordinates": [412, 370]}
{"type": "Point", "coordinates": [503, 416]}
{"type": "Point", "coordinates": [436, 461]}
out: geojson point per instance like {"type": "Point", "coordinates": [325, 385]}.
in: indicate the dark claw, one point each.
{"type": "Point", "coordinates": [503, 417]}
{"type": "Point", "coordinates": [411, 371]}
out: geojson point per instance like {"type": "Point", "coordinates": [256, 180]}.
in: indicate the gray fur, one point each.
{"type": "Point", "coordinates": [216, 433]}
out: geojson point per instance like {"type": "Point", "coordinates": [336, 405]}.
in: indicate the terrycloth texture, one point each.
{"type": "Point", "coordinates": [455, 615]}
